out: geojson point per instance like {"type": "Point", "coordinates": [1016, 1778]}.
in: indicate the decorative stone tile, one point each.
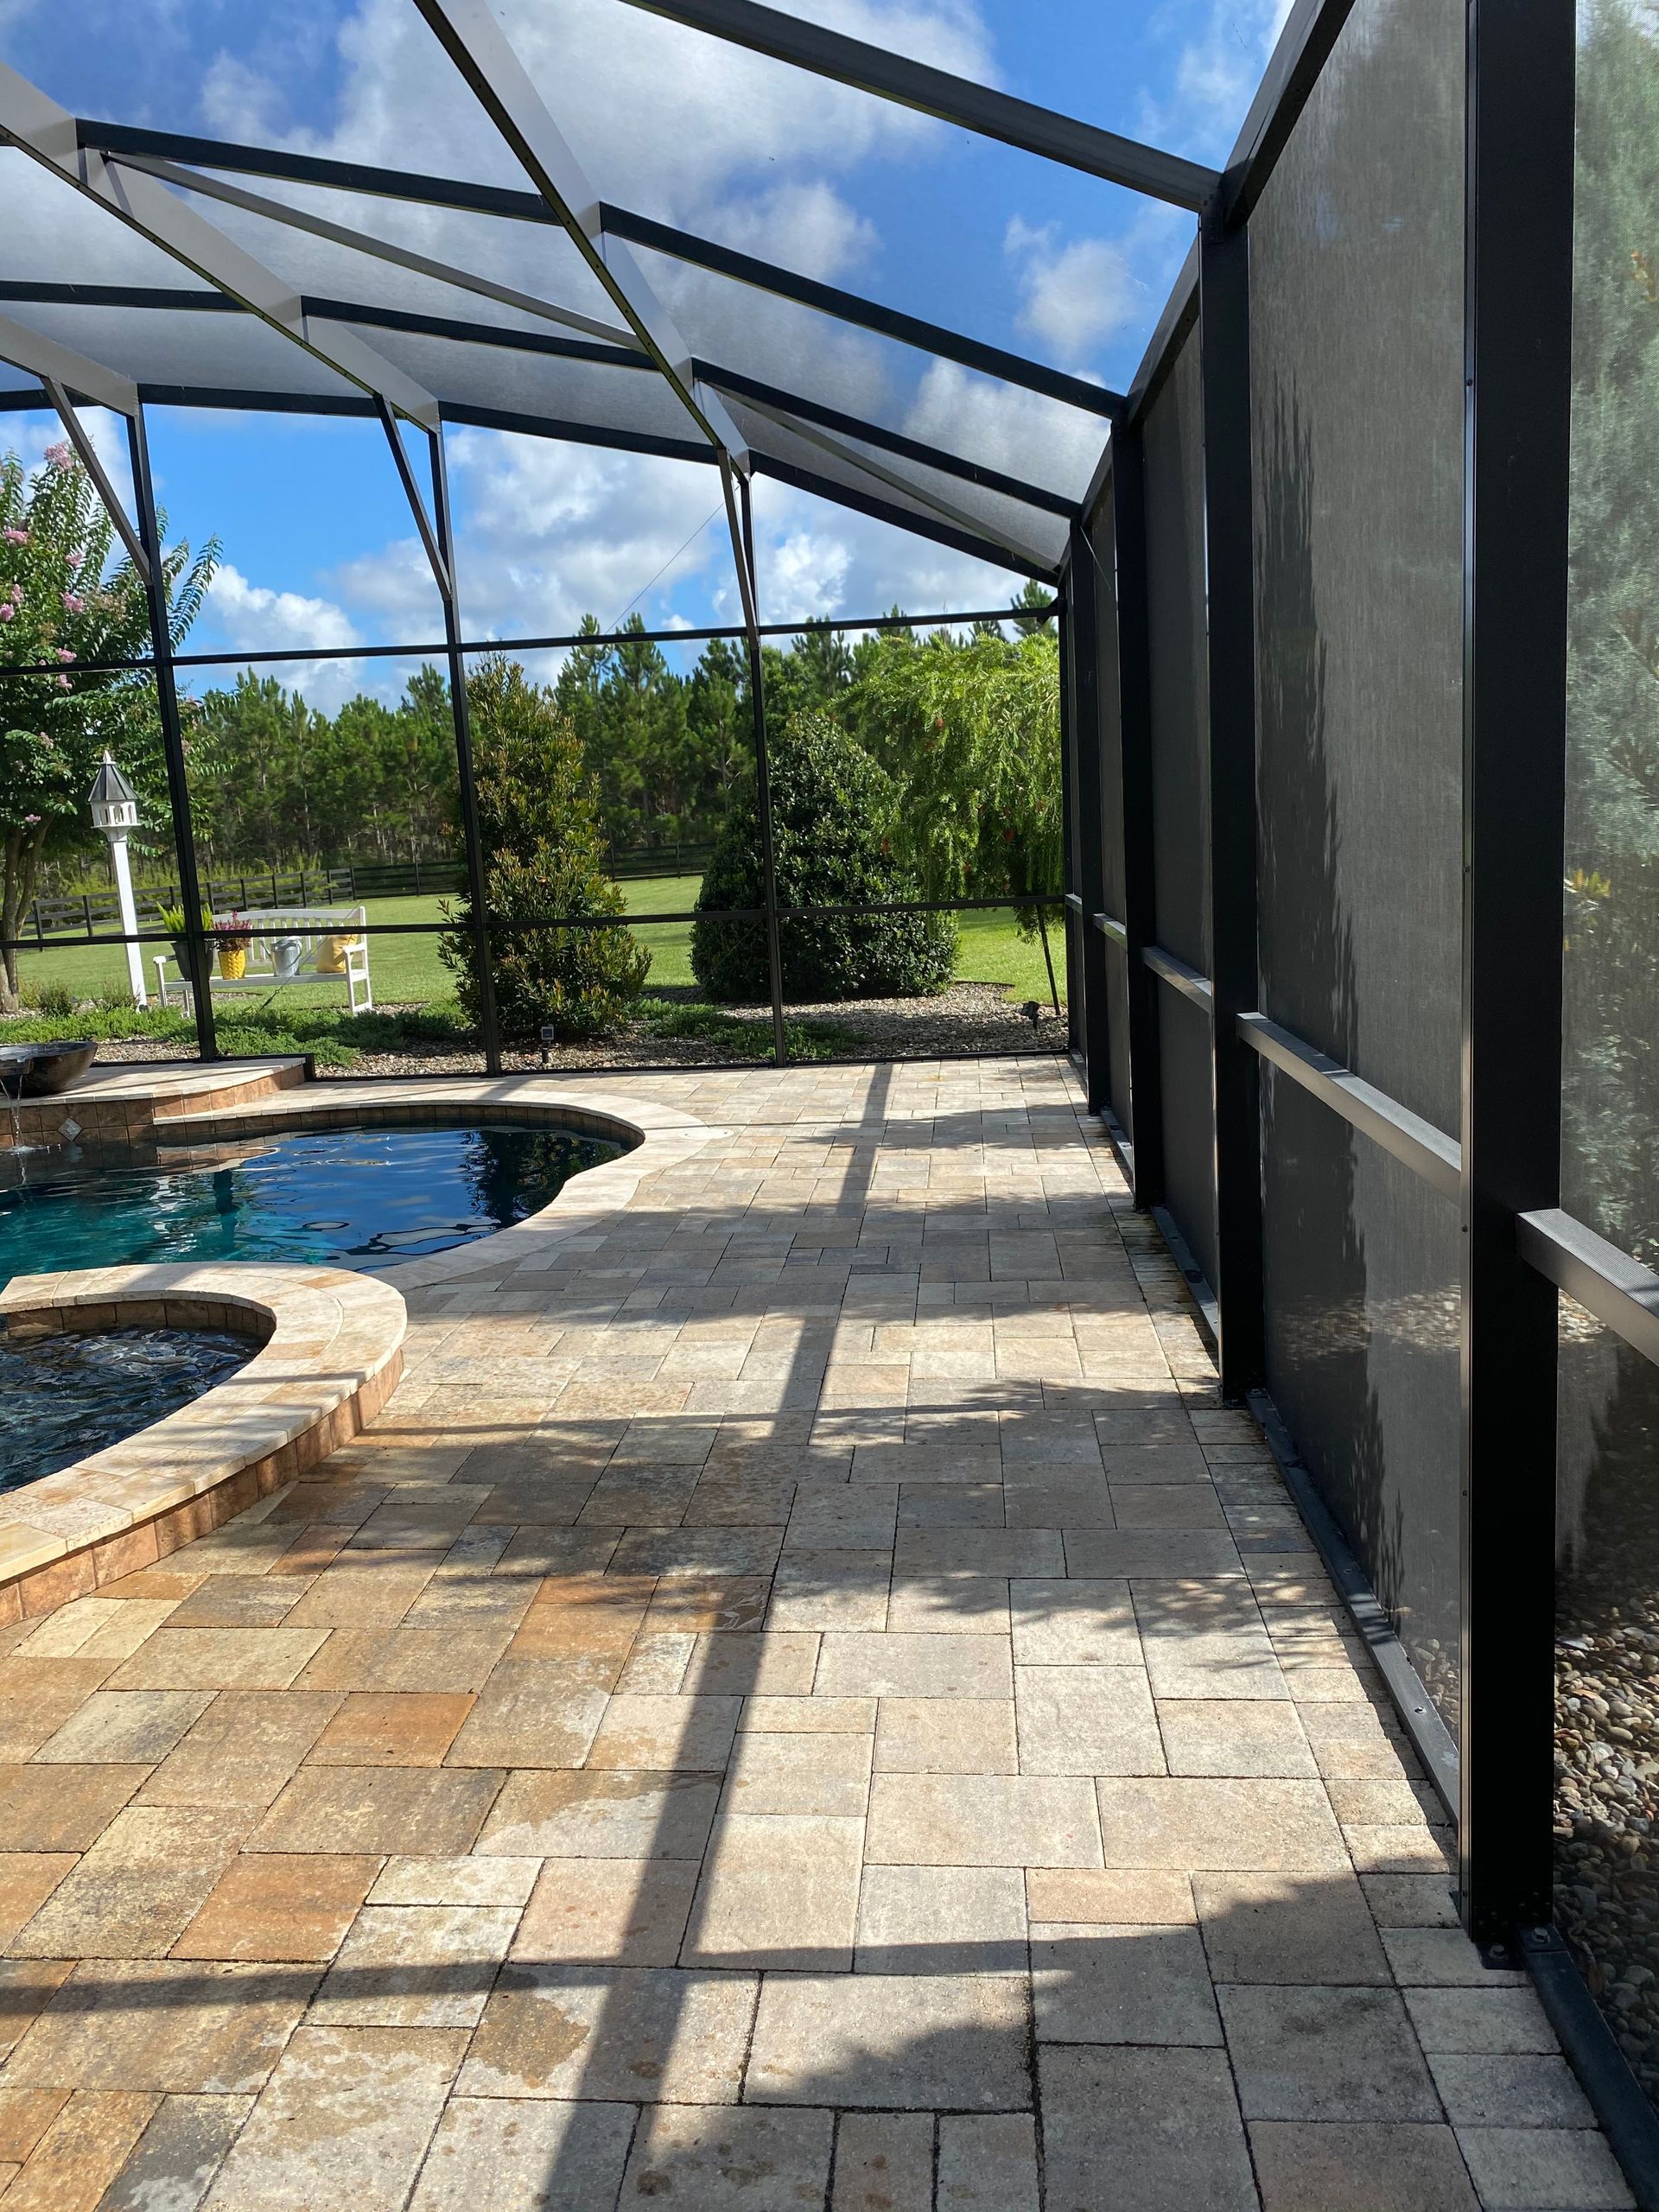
{"type": "Point", "coordinates": [82, 2150]}
{"type": "Point", "coordinates": [1125, 1984]}
{"type": "Point", "coordinates": [1325, 2054]}
{"type": "Point", "coordinates": [610, 1815]}
{"type": "Point", "coordinates": [616, 1911]}
{"type": "Point", "coordinates": [1543, 2170]}
{"type": "Point", "coordinates": [988, 2165]}
{"type": "Point", "coordinates": [398, 1728]}
{"type": "Point", "coordinates": [1157, 2129]}
{"type": "Point", "coordinates": [1288, 1928]}
{"type": "Point", "coordinates": [800, 1774]}
{"type": "Point", "coordinates": [884, 2163]}
{"type": "Point", "coordinates": [913, 2042]}
{"type": "Point", "coordinates": [520, 2154]}
{"type": "Point", "coordinates": [178, 2155]}
{"type": "Point", "coordinates": [779, 1891]}
{"type": "Point", "coordinates": [377, 1809]}
{"type": "Point", "coordinates": [272, 1905]}
{"type": "Point", "coordinates": [942, 1920]}
{"type": "Point", "coordinates": [415, 1966]}
{"type": "Point", "coordinates": [607, 2032]}
{"type": "Point", "coordinates": [1086, 1719]}
{"type": "Point", "coordinates": [344, 2123]}
{"type": "Point", "coordinates": [722, 2160]}
{"type": "Point", "coordinates": [918, 1820]}
{"type": "Point", "coordinates": [1359, 2167]}
{"type": "Point", "coordinates": [159, 2025]}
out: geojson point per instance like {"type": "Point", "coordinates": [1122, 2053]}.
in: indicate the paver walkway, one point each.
{"type": "Point", "coordinates": [807, 1701]}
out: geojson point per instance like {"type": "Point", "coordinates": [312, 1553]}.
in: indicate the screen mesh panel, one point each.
{"type": "Point", "coordinates": [1608, 1590]}
{"type": "Point", "coordinates": [1362, 1277]}
{"type": "Point", "coordinates": [1357, 337]}
{"type": "Point", "coordinates": [1174, 441]}
{"type": "Point", "coordinates": [1102, 548]}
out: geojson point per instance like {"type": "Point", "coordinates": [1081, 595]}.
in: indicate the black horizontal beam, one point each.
{"type": "Point", "coordinates": [865, 315]}
{"type": "Point", "coordinates": [422, 190]}
{"type": "Point", "coordinates": [1112, 929]}
{"type": "Point", "coordinates": [738, 386]}
{"type": "Point", "coordinates": [1417, 1144]}
{"type": "Point", "coordinates": [897, 77]}
{"type": "Point", "coordinates": [919, 525]}
{"type": "Point", "coordinates": [175, 299]}
{"type": "Point", "coordinates": [1187, 981]}
{"type": "Point", "coordinates": [276, 654]}
{"type": "Point", "coordinates": [1616, 1288]}
{"type": "Point", "coordinates": [466, 333]}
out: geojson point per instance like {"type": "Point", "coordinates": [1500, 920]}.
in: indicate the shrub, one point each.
{"type": "Point", "coordinates": [56, 1000]}
{"type": "Point", "coordinates": [832, 819]}
{"type": "Point", "coordinates": [539, 822]}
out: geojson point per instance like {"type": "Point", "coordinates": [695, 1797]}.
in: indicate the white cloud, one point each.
{"type": "Point", "coordinates": [1216, 75]}
{"type": "Point", "coordinates": [253, 617]}
{"type": "Point", "coordinates": [1019, 432]}
{"type": "Point", "coordinates": [657, 112]}
{"type": "Point", "coordinates": [805, 226]}
{"type": "Point", "coordinates": [1073, 295]}
{"type": "Point", "coordinates": [547, 531]}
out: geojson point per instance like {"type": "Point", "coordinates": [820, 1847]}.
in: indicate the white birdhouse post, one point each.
{"type": "Point", "coordinates": [115, 812]}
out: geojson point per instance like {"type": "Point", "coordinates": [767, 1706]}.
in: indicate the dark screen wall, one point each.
{"type": "Point", "coordinates": [1607, 1614]}
{"type": "Point", "coordinates": [1356, 375]}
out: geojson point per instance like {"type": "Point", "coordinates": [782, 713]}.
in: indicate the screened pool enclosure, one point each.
{"type": "Point", "coordinates": [1357, 940]}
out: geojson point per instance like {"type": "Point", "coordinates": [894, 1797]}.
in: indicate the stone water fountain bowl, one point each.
{"type": "Point", "coordinates": [40, 1070]}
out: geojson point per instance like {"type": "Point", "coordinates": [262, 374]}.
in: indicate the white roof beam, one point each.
{"type": "Point", "coordinates": [478, 48]}
{"type": "Point", "coordinates": [38, 127]}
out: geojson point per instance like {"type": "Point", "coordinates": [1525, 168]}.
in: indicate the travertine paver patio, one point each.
{"type": "Point", "coordinates": [805, 1700]}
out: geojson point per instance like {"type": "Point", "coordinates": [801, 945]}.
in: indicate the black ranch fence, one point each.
{"type": "Point", "coordinates": [91, 914]}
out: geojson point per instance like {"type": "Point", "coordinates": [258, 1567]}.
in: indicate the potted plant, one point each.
{"type": "Point", "coordinates": [172, 920]}
{"type": "Point", "coordinates": [232, 936]}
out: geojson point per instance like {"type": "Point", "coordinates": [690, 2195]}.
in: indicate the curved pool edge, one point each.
{"type": "Point", "coordinates": [331, 1355]}
{"type": "Point", "coordinates": [657, 1137]}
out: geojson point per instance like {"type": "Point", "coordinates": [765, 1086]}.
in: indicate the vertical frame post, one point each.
{"type": "Point", "coordinates": [745, 550]}
{"type": "Point", "coordinates": [1225, 313]}
{"type": "Point", "coordinates": [1083, 630]}
{"type": "Point", "coordinates": [466, 788]}
{"type": "Point", "coordinates": [1135, 808]}
{"type": "Point", "coordinates": [1517, 389]}
{"type": "Point", "coordinates": [167, 705]}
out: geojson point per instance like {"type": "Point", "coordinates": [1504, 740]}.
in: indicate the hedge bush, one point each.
{"type": "Point", "coordinates": [543, 855]}
{"type": "Point", "coordinates": [832, 815]}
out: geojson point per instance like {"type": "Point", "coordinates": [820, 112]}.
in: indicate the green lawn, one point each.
{"type": "Point", "coordinates": [407, 970]}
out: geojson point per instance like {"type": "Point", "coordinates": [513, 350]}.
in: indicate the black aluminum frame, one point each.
{"type": "Point", "coordinates": [1521, 1250]}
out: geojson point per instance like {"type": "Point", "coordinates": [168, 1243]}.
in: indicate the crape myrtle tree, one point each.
{"type": "Point", "coordinates": [62, 603]}
{"type": "Point", "coordinates": [543, 863]}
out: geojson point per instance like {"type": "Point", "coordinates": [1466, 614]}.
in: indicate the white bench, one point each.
{"type": "Point", "coordinates": [331, 948]}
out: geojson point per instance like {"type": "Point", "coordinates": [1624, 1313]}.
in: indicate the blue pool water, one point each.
{"type": "Point", "coordinates": [365, 1197]}
{"type": "Point", "coordinates": [67, 1396]}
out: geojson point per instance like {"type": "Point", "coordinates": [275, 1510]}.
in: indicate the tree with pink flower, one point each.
{"type": "Point", "coordinates": [66, 609]}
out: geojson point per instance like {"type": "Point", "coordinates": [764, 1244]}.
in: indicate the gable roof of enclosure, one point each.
{"type": "Point", "coordinates": [147, 266]}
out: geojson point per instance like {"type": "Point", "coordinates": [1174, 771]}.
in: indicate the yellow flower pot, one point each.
{"type": "Point", "coordinates": [331, 955]}
{"type": "Point", "coordinates": [232, 962]}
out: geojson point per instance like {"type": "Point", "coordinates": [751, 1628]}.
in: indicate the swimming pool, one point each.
{"type": "Point", "coordinates": [365, 1198]}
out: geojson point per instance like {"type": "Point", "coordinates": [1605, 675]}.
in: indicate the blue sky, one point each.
{"type": "Point", "coordinates": [317, 545]}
